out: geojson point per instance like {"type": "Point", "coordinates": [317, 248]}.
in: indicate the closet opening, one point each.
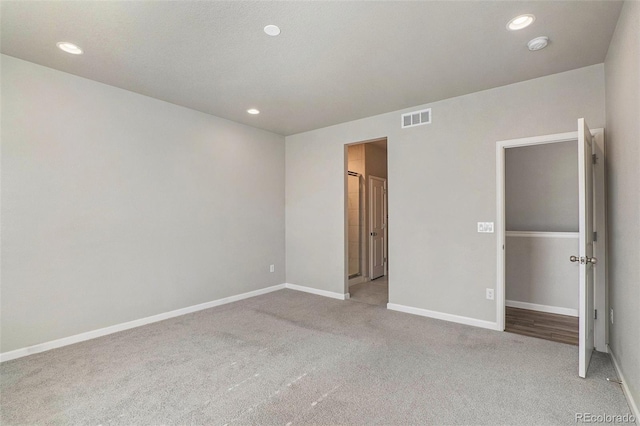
{"type": "Point", "coordinates": [541, 223]}
{"type": "Point", "coordinates": [551, 242]}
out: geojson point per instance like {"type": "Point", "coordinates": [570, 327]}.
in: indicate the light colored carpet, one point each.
{"type": "Point", "coordinates": [374, 292]}
{"type": "Point", "coordinates": [295, 358]}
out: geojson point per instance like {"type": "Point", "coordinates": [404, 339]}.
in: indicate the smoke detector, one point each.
{"type": "Point", "coordinates": [538, 43]}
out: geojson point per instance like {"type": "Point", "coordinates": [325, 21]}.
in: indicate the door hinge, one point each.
{"type": "Point", "coordinates": [595, 236]}
{"type": "Point", "coordinates": [596, 314]}
{"type": "Point", "coordinates": [594, 158]}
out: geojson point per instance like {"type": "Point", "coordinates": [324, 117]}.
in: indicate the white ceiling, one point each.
{"type": "Point", "coordinates": [333, 62]}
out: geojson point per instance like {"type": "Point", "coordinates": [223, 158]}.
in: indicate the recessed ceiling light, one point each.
{"type": "Point", "coordinates": [272, 30]}
{"type": "Point", "coordinates": [538, 43]}
{"type": "Point", "coordinates": [70, 48]}
{"type": "Point", "coordinates": [253, 111]}
{"type": "Point", "coordinates": [520, 22]}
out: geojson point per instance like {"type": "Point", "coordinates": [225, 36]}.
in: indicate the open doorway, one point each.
{"type": "Point", "coordinates": [541, 221]}
{"type": "Point", "coordinates": [551, 239]}
{"type": "Point", "coordinates": [367, 222]}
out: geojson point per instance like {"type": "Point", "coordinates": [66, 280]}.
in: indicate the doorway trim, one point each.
{"type": "Point", "coordinates": [600, 278]}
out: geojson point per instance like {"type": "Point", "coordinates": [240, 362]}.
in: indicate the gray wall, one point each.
{"type": "Point", "coordinates": [116, 206]}
{"type": "Point", "coordinates": [541, 188]}
{"type": "Point", "coordinates": [442, 180]}
{"type": "Point", "coordinates": [538, 271]}
{"type": "Point", "coordinates": [622, 72]}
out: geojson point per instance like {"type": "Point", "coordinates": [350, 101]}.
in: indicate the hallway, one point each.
{"type": "Point", "coordinates": [374, 292]}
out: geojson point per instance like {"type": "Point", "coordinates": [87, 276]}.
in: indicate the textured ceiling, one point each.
{"type": "Point", "coordinates": [333, 62]}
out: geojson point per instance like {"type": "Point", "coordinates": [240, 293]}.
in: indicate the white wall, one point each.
{"type": "Point", "coordinates": [441, 182]}
{"type": "Point", "coordinates": [622, 72]}
{"type": "Point", "coordinates": [116, 206]}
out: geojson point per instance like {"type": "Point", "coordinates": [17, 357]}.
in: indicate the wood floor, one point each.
{"type": "Point", "coordinates": [559, 328]}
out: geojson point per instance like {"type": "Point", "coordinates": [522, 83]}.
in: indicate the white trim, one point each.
{"type": "Point", "coordinates": [625, 388]}
{"type": "Point", "coordinates": [443, 316]}
{"type": "Point", "coordinates": [500, 237]}
{"type": "Point", "coordinates": [542, 308]}
{"type": "Point", "coordinates": [65, 341]}
{"type": "Point", "coordinates": [539, 140]}
{"type": "Point", "coordinates": [601, 327]}
{"type": "Point", "coordinates": [535, 234]}
{"type": "Point", "coordinates": [325, 293]}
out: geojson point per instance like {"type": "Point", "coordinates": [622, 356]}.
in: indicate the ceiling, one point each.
{"type": "Point", "coordinates": [333, 62]}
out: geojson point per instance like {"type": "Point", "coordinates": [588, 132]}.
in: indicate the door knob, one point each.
{"type": "Point", "coordinates": [592, 260]}
{"type": "Point", "coordinates": [574, 258]}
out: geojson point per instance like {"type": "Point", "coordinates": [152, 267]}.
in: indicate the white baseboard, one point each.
{"type": "Point", "coordinates": [542, 308]}
{"type": "Point", "coordinates": [442, 316]}
{"type": "Point", "coordinates": [632, 403]}
{"type": "Point", "coordinates": [41, 347]}
{"type": "Point", "coordinates": [325, 293]}
{"type": "Point", "coordinates": [65, 341]}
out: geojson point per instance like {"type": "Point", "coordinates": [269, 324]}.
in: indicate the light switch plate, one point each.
{"type": "Point", "coordinates": [485, 227]}
{"type": "Point", "coordinates": [490, 294]}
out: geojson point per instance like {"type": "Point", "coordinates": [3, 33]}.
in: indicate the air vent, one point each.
{"type": "Point", "coordinates": [416, 118]}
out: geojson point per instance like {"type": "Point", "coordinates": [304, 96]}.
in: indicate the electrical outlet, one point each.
{"type": "Point", "coordinates": [611, 315]}
{"type": "Point", "coordinates": [480, 226]}
{"type": "Point", "coordinates": [272, 268]}
{"type": "Point", "coordinates": [490, 294]}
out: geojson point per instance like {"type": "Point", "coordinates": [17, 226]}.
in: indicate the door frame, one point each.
{"type": "Point", "coordinates": [601, 330]}
{"type": "Point", "coordinates": [370, 230]}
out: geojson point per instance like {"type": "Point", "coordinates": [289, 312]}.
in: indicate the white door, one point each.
{"type": "Point", "coordinates": [585, 257]}
{"type": "Point", "coordinates": [377, 225]}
